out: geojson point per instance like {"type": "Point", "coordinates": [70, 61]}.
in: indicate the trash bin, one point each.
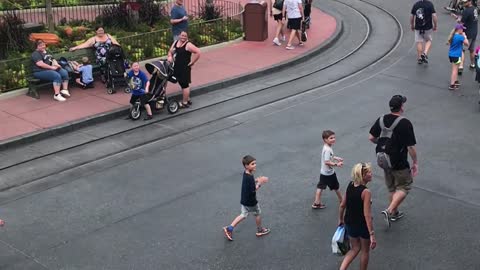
{"type": "Point", "coordinates": [255, 21]}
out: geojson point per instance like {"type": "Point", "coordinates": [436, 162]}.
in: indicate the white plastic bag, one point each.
{"type": "Point", "coordinates": [340, 243]}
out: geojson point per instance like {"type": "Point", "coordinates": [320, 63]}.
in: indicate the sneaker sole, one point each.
{"type": "Point", "coordinates": [386, 218]}
{"type": "Point", "coordinates": [261, 234]}
{"type": "Point", "coordinates": [225, 231]}
{"type": "Point", "coordinates": [397, 217]}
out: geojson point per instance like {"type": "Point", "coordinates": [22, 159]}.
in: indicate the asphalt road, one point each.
{"type": "Point", "coordinates": [162, 206]}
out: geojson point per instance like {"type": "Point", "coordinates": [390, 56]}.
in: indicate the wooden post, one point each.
{"type": "Point", "coordinates": [49, 11]}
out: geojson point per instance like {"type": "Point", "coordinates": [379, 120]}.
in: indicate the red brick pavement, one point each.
{"type": "Point", "coordinates": [20, 115]}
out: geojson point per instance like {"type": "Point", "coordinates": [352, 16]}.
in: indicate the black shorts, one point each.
{"type": "Point", "coordinates": [183, 77]}
{"type": "Point", "coordinates": [143, 99]}
{"type": "Point", "coordinates": [455, 60]}
{"type": "Point", "coordinates": [357, 231]}
{"type": "Point", "coordinates": [328, 180]}
{"type": "Point", "coordinates": [294, 24]}
{"type": "Point", "coordinates": [277, 17]}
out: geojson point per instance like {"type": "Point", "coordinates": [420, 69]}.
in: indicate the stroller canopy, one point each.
{"type": "Point", "coordinates": [161, 68]}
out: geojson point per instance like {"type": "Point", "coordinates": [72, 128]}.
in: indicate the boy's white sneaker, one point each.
{"type": "Point", "coordinates": [58, 97]}
{"type": "Point", "coordinates": [276, 42]}
{"type": "Point", "coordinates": [65, 92]}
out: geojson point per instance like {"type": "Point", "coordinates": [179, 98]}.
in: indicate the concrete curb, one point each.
{"type": "Point", "coordinates": [103, 117]}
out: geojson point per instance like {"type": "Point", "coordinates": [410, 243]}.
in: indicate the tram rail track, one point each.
{"type": "Point", "coordinates": [55, 154]}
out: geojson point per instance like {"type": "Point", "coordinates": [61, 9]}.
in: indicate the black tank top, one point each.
{"type": "Point", "coordinates": [183, 57]}
{"type": "Point", "coordinates": [354, 212]}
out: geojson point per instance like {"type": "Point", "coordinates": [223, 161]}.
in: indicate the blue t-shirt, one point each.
{"type": "Point", "coordinates": [178, 12]}
{"type": "Point", "coordinates": [86, 71]}
{"type": "Point", "coordinates": [137, 82]}
{"type": "Point", "coordinates": [456, 46]}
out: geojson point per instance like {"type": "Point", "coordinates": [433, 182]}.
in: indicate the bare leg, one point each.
{"type": "Point", "coordinates": [148, 109]}
{"type": "Point", "coordinates": [258, 220]}
{"type": "Point", "coordinates": [318, 196]}
{"type": "Point", "coordinates": [339, 196]}
{"type": "Point", "coordinates": [397, 199]}
{"type": "Point", "coordinates": [365, 253]}
{"type": "Point", "coordinates": [279, 29]}
{"type": "Point", "coordinates": [419, 49]}
{"type": "Point", "coordinates": [351, 254]}
{"type": "Point", "coordinates": [56, 88]}
{"type": "Point", "coordinates": [297, 33]}
{"type": "Point", "coordinates": [186, 94]}
{"type": "Point", "coordinates": [290, 39]}
{"type": "Point", "coordinates": [65, 85]}
{"type": "Point", "coordinates": [472, 57]}
{"type": "Point", "coordinates": [454, 75]}
{"type": "Point", "coordinates": [428, 44]}
{"type": "Point", "coordinates": [237, 220]}
{"type": "Point", "coordinates": [462, 61]}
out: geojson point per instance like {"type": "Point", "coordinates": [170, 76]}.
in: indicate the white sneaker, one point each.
{"type": "Point", "coordinates": [276, 42]}
{"type": "Point", "coordinates": [283, 39]}
{"type": "Point", "coordinates": [58, 97]}
{"type": "Point", "coordinates": [65, 92]}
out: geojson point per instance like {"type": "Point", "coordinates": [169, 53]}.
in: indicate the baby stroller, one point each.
{"type": "Point", "coordinates": [162, 73]}
{"type": "Point", "coordinates": [115, 69]}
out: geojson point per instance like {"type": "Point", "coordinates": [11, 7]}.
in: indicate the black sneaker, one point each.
{"type": "Point", "coordinates": [420, 61]}
{"type": "Point", "coordinates": [472, 66]}
{"type": "Point", "coordinates": [398, 215]}
{"type": "Point", "coordinates": [452, 87]}
{"type": "Point", "coordinates": [424, 58]}
{"type": "Point", "coordinates": [460, 71]}
{"type": "Point", "coordinates": [148, 117]}
{"type": "Point", "coordinates": [457, 83]}
{"type": "Point", "coordinates": [386, 218]}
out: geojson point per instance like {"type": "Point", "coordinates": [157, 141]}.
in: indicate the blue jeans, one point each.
{"type": "Point", "coordinates": [56, 76]}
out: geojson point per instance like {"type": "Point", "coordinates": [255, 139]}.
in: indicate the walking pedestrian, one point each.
{"type": "Point", "coordinates": [328, 177]}
{"type": "Point", "coordinates": [178, 19]}
{"type": "Point", "coordinates": [399, 177]}
{"type": "Point", "coordinates": [469, 19]}
{"type": "Point", "coordinates": [457, 40]}
{"type": "Point", "coordinates": [356, 214]}
{"type": "Point", "coordinates": [423, 21]}
{"type": "Point", "coordinates": [276, 13]}
{"type": "Point", "coordinates": [293, 10]}
{"type": "Point", "coordinates": [248, 200]}
{"type": "Point", "coordinates": [181, 54]}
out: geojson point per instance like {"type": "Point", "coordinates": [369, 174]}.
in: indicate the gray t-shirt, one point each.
{"type": "Point", "coordinates": [327, 154]}
{"type": "Point", "coordinates": [41, 56]}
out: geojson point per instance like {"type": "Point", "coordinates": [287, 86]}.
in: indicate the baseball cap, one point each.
{"type": "Point", "coordinates": [396, 102]}
{"type": "Point", "coordinates": [459, 26]}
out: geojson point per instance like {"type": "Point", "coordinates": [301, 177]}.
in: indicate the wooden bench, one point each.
{"type": "Point", "coordinates": [34, 84]}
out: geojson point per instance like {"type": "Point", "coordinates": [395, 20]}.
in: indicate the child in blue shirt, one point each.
{"type": "Point", "coordinates": [85, 75]}
{"type": "Point", "coordinates": [139, 84]}
{"type": "Point", "coordinates": [456, 41]}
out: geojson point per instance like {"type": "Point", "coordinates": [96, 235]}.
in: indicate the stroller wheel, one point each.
{"type": "Point", "coordinates": [135, 112]}
{"type": "Point", "coordinates": [110, 91]}
{"type": "Point", "coordinates": [127, 90]}
{"type": "Point", "coordinates": [172, 106]}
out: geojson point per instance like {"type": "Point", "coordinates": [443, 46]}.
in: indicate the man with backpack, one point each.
{"type": "Point", "coordinates": [423, 21]}
{"type": "Point", "coordinates": [394, 136]}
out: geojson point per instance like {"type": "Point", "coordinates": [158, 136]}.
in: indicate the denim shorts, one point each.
{"type": "Point", "coordinates": [255, 210]}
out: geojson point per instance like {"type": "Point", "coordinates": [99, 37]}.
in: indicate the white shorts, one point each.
{"type": "Point", "coordinates": [255, 210]}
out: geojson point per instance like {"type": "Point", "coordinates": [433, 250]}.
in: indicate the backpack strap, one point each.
{"type": "Point", "coordinates": [387, 132]}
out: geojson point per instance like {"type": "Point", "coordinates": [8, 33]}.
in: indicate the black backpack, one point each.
{"type": "Point", "coordinates": [383, 159]}
{"type": "Point", "coordinates": [278, 4]}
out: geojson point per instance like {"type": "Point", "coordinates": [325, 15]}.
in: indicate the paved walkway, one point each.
{"type": "Point", "coordinates": [20, 115]}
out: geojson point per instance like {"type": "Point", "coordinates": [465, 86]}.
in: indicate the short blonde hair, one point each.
{"type": "Point", "coordinates": [358, 172]}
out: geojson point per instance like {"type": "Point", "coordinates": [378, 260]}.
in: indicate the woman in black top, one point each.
{"type": "Point", "coordinates": [181, 52]}
{"type": "Point", "coordinates": [356, 205]}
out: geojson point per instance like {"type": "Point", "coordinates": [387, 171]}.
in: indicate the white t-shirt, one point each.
{"type": "Point", "coordinates": [292, 8]}
{"type": "Point", "coordinates": [327, 154]}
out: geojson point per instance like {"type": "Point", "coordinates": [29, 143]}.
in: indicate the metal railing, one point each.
{"type": "Point", "coordinates": [64, 11]}
{"type": "Point", "coordinates": [14, 72]}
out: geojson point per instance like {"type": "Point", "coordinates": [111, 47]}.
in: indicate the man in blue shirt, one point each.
{"type": "Point", "coordinates": [178, 19]}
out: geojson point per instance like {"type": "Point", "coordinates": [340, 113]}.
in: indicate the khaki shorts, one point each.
{"type": "Point", "coordinates": [424, 37]}
{"type": "Point", "coordinates": [398, 180]}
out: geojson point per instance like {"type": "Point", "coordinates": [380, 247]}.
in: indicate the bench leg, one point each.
{"type": "Point", "coordinates": [32, 92]}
